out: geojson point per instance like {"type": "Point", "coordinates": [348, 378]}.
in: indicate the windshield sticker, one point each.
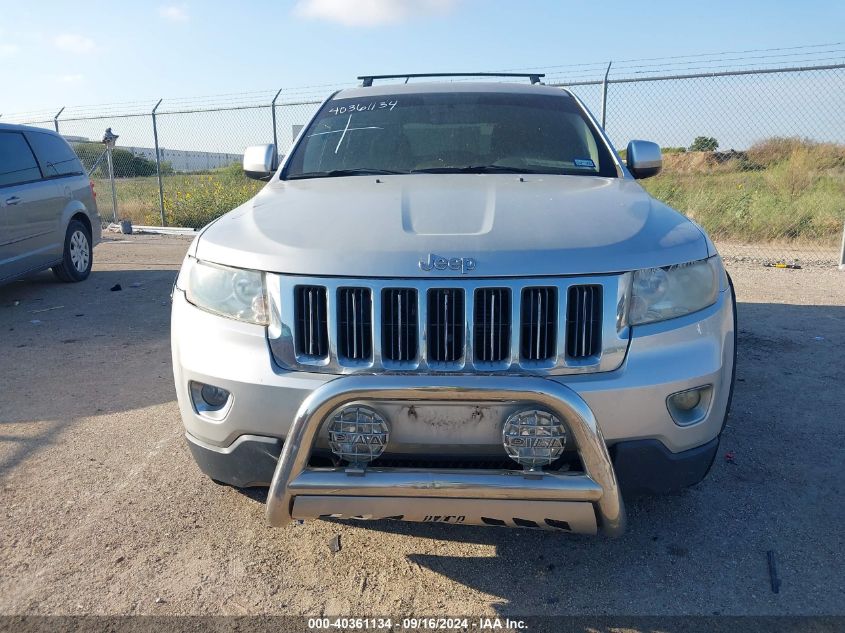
{"type": "Point", "coordinates": [364, 107]}
{"type": "Point", "coordinates": [584, 162]}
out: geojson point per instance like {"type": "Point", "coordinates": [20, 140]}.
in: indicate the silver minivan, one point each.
{"type": "Point", "coordinates": [48, 211]}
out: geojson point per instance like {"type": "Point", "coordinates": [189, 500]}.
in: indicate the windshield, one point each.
{"type": "Point", "coordinates": [454, 132]}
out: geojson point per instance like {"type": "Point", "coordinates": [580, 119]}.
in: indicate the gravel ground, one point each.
{"type": "Point", "coordinates": [102, 510]}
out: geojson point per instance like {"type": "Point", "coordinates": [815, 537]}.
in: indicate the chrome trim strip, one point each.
{"type": "Point", "coordinates": [597, 484]}
{"type": "Point", "coordinates": [614, 336]}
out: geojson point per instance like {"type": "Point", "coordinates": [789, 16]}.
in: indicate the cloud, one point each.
{"type": "Point", "coordinates": [71, 79]}
{"type": "Point", "coordinates": [370, 12]}
{"type": "Point", "coordinates": [8, 50]}
{"type": "Point", "coordinates": [73, 43]}
{"type": "Point", "coordinates": [174, 12]}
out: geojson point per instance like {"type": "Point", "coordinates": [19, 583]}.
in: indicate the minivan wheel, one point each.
{"type": "Point", "coordinates": [78, 256]}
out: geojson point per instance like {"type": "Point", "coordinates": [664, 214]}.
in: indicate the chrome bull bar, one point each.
{"type": "Point", "coordinates": [321, 486]}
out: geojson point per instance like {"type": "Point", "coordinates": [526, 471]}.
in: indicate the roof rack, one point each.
{"type": "Point", "coordinates": [367, 80]}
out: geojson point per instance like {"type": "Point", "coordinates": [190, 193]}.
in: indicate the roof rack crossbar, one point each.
{"type": "Point", "coordinates": [367, 80]}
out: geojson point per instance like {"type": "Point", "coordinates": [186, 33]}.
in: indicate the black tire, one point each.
{"type": "Point", "coordinates": [78, 254]}
{"type": "Point", "coordinates": [733, 369]}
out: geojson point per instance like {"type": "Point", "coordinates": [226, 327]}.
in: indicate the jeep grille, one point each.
{"type": "Point", "coordinates": [537, 326]}
{"type": "Point", "coordinates": [354, 324]}
{"type": "Point", "coordinates": [399, 324]}
{"type": "Point", "coordinates": [312, 338]}
{"type": "Point", "coordinates": [539, 323]}
{"type": "Point", "coordinates": [492, 327]}
{"type": "Point", "coordinates": [583, 321]}
{"type": "Point", "coordinates": [445, 325]}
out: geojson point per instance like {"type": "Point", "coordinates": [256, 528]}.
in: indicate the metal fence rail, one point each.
{"type": "Point", "coordinates": [772, 190]}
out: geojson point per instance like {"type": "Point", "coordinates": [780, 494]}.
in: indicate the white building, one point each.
{"type": "Point", "coordinates": [186, 160]}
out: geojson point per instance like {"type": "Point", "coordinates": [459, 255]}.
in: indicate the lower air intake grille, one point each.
{"type": "Point", "coordinates": [539, 324]}
{"type": "Point", "coordinates": [492, 324]}
{"type": "Point", "coordinates": [445, 325]}
{"type": "Point", "coordinates": [583, 321]}
{"type": "Point", "coordinates": [354, 324]}
{"type": "Point", "coordinates": [312, 336]}
{"type": "Point", "coordinates": [399, 324]}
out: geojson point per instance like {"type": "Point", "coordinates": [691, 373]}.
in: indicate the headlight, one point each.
{"type": "Point", "coordinates": [231, 292]}
{"type": "Point", "coordinates": [658, 294]}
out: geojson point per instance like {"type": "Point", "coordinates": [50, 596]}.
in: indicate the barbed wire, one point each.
{"type": "Point", "coordinates": [644, 75]}
{"type": "Point", "coordinates": [802, 55]}
{"type": "Point", "coordinates": [603, 64]}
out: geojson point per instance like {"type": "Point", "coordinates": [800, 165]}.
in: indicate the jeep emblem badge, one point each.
{"type": "Point", "coordinates": [437, 262]}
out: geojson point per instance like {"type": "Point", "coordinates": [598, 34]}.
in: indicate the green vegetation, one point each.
{"type": "Point", "coordinates": [779, 189]}
{"type": "Point", "coordinates": [126, 164]}
{"type": "Point", "coordinates": [190, 200]}
{"type": "Point", "coordinates": [704, 144]}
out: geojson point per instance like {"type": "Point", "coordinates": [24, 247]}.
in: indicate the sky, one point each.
{"type": "Point", "coordinates": [55, 54]}
{"type": "Point", "coordinates": [110, 58]}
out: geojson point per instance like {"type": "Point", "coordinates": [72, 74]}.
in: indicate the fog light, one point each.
{"type": "Point", "coordinates": [214, 397]}
{"type": "Point", "coordinates": [533, 438]}
{"type": "Point", "coordinates": [690, 406]}
{"type": "Point", "coordinates": [358, 434]}
{"type": "Point", "coordinates": [686, 400]}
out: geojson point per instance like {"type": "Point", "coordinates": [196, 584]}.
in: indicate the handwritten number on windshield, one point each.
{"type": "Point", "coordinates": [365, 107]}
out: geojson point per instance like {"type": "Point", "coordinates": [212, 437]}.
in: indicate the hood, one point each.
{"type": "Point", "coordinates": [363, 226]}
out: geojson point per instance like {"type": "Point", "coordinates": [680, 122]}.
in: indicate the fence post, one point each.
{"type": "Point", "coordinates": [56, 119]}
{"type": "Point", "coordinates": [842, 251]}
{"type": "Point", "coordinates": [110, 140]}
{"type": "Point", "coordinates": [273, 111]}
{"type": "Point", "coordinates": [158, 165]}
{"type": "Point", "coordinates": [604, 95]}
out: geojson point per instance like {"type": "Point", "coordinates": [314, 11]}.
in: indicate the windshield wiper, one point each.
{"type": "Point", "coordinates": [361, 171]}
{"type": "Point", "coordinates": [477, 169]}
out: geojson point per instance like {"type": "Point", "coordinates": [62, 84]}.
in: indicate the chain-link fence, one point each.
{"type": "Point", "coordinates": [179, 167]}
{"type": "Point", "coordinates": [756, 157]}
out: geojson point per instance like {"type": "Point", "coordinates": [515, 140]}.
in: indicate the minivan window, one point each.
{"type": "Point", "coordinates": [55, 155]}
{"type": "Point", "coordinates": [17, 164]}
{"type": "Point", "coordinates": [451, 132]}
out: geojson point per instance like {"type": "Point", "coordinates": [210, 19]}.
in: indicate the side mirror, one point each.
{"type": "Point", "coordinates": [260, 161]}
{"type": "Point", "coordinates": [643, 159]}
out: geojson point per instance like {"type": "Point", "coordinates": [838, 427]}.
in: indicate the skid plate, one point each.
{"type": "Point", "coordinates": [570, 516]}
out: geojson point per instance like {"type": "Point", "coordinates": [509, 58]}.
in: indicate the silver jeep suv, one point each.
{"type": "Point", "coordinates": [48, 212]}
{"type": "Point", "coordinates": [452, 302]}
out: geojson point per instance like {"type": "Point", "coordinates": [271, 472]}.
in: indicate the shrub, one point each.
{"type": "Point", "coordinates": [126, 164]}
{"type": "Point", "coordinates": [704, 144]}
{"type": "Point", "coordinates": [195, 200]}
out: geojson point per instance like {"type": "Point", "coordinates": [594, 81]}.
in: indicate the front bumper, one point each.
{"type": "Point", "coordinates": [621, 415]}
{"type": "Point", "coordinates": [629, 403]}
{"type": "Point", "coordinates": [642, 466]}
{"type": "Point", "coordinates": [577, 502]}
